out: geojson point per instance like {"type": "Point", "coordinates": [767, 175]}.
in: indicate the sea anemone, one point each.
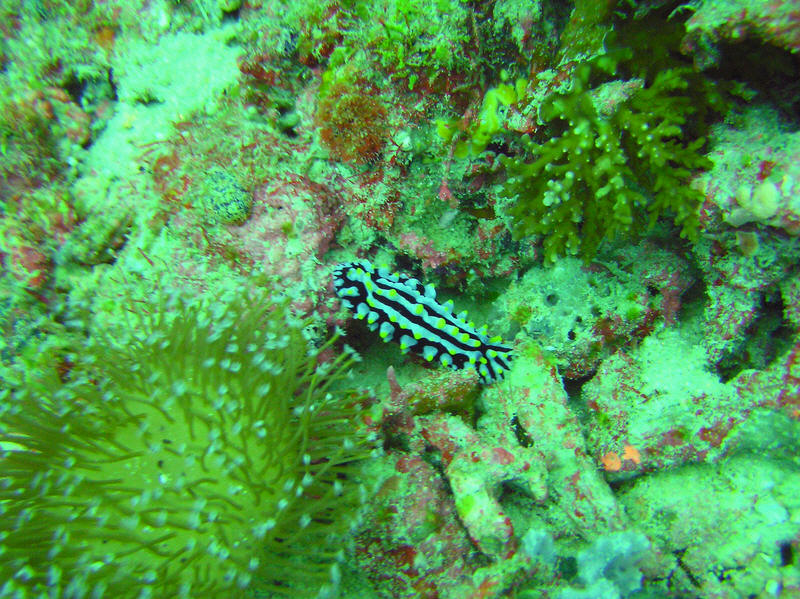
{"type": "Point", "coordinates": [208, 456]}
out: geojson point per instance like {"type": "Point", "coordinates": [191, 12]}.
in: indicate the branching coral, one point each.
{"type": "Point", "coordinates": [208, 457]}
{"type": "Point", "coordinates": [607, 173]}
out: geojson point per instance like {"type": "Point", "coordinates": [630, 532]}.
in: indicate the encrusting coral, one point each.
{"type": "Point", "coordinates": [602, 175]}
{"type": "Point", "coordinates": [206, 457]}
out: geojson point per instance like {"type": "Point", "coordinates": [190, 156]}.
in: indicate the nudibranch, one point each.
{"type": "Point", "coordinates": [404, 310]}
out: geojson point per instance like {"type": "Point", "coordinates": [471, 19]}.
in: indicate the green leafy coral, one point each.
{"type": "Point", "coordinates": [610, 169]}
{"type": "Point", "coordinates": [209, 456]}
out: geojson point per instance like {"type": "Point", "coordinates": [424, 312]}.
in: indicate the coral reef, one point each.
{"type": "Point", "coordinates": [715, 21]}
{"type": "Point", "coordinates": [755, 176]}
{"type": "Point", "coordinates": [714, 540]}
{"type": "Point", "coordinates": [581, 315]}
{"type": "Point", "coordinates": [185, 400]}
{"type": "Point", "coordinates": [608, 567]}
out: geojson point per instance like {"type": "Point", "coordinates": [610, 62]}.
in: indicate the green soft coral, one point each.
{"type": "Point", "coordinates": [607, 174]}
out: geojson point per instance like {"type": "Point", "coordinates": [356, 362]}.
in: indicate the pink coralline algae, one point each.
{"type": "Point", "coordinates": [582, 314]}
{"type": "Point", "coordinates": [479, 466]}
{"type": "Point", "coordinates": [475, 464]}
{"type": "Point", "coordinates": [537, 401]}
{"type": "Point", "coordinates": [292, 222]}
{"type": "Point", "coordinates": [424, 541]}
{"type": "Point", "coordinates": [721, 531]}
{"type": "Point", "coordinates": [635, 401]}
{"type": "Point", "coordinates": [424, 250]}
{"type": "Point", "coordinates": [774, 22]}
{"type": "Point", "coordinates": [737, 283]}
{"type": "Point", "coordinates": [777, 386]}
{"type": "Point", "coordinates": [413, 544]}
{"type": "Point", "coordinates": [746, 256]}
{"type": "Point", "coordinates": [756, 174]}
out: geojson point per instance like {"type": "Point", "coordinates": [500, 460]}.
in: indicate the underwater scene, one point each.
{"type": "Point", "coordinates": [444, 299]}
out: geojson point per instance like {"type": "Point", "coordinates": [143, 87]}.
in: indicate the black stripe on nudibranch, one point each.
{"type": "Point", "coordinates": [404, 310]}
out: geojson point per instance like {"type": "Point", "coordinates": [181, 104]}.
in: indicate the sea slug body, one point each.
{"type": "Point", "coordinates": [403, 310]}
